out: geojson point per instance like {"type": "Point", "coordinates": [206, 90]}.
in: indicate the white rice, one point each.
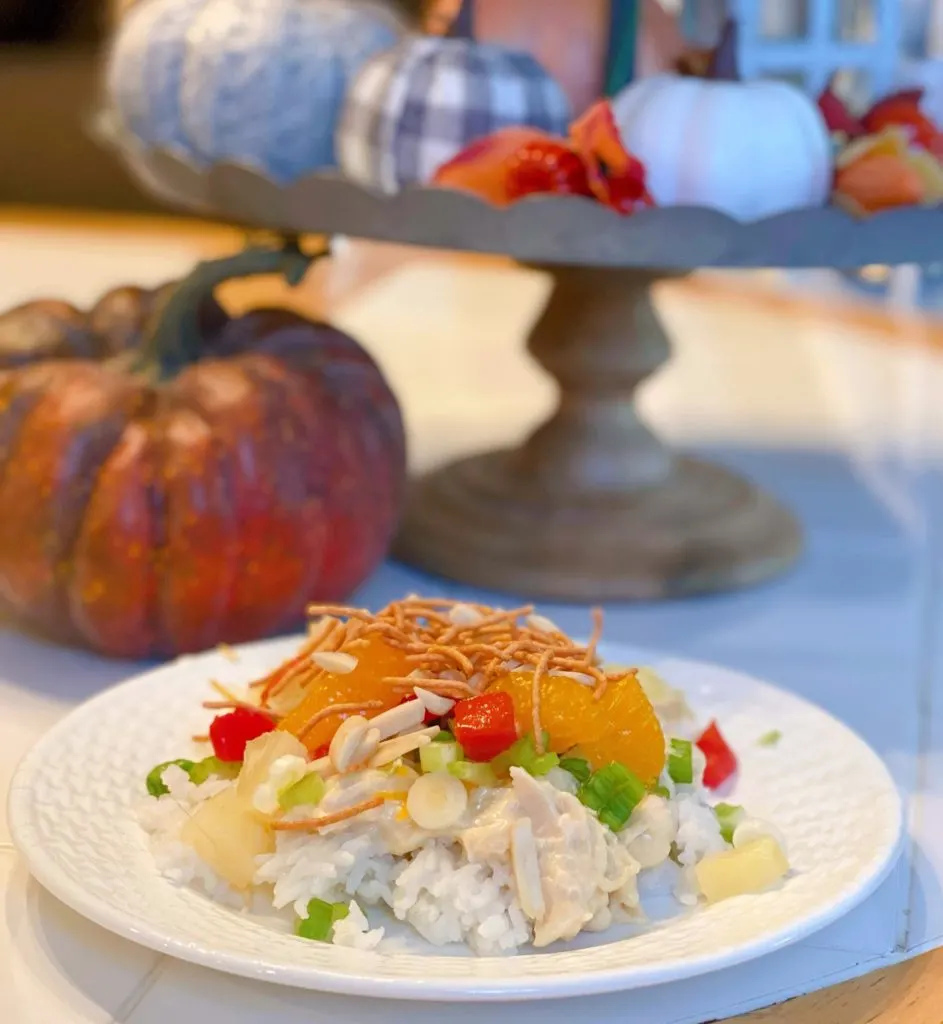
{"type": "Point", "coordinates": [457, 887]}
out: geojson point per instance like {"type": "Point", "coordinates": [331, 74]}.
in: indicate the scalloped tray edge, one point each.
{"type": "Point", "coordinates": [543, 229]}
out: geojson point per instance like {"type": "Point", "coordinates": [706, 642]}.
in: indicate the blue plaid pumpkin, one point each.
{"type": "Point", "coordinates": [416, 106]}
{"type": "Point", "coordinates": [259, 82]}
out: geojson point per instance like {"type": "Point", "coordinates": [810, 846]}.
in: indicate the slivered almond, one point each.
{"type": "Point", "coordinates": [464, 615]}
{"type": "Point", "coordinates": [542, 624]}
{"type": "Point", "coordinates": [347, 741]}
{"type": "Point", "coordinates": [527, 869]}
{"type": "Point", "coordinates": [336, 662]}
{"type": "Point", "coordinates": [434, 703]}
{"type": "Point", "coordinates": [337, 709]}
{"type": "Point", "coordinates": [402, 745]}
{"type": "Point", "coordinates": [579, 677]}
{"type": "Point", "coordinates": [403, 718]}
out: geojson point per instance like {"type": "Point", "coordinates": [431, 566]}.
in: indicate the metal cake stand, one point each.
{"type": "Point", "coordinates": [592, 506]}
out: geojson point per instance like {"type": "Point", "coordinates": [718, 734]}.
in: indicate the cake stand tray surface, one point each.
{"type": "Point", "coordinates": [565, 231]}
{"type": "Point", "coordinates": [592, 506]}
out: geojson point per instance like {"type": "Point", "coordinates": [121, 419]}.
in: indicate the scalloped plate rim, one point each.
{"type": "Point", "coordinates": [503, 988]}
{"type": "Point", "coordinates": [122, 141]}
{"type": "Point", "coordinates": [723, 241]}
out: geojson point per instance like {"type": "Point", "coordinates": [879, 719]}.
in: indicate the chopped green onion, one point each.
{"type": "Point", "coordinates": [681, 762]}
{"type": "Point", "coordinates": [210, 766]}
{"type": "Point", "coordinates": [443, 736]}
{"type": "Point", "coordinates": [473, 772]}
{"type": "Point", "coordinates": [155, 777]}
{"type": "Point", "coordinates": [578, 767]}
{"type": "Point", "coordinates": [613, 793]}
{"type": "Point", "coordinates": [197, 771]}
{"type": "Point", "coordinates": [770, 739]}
{"type": "Point", "coordinates": [436, 757]}
{"type": "Point", "coordinates": [662, 791]}
{"type": "Point", "coordinates": [523, 754]}
{"type": "Point", "coordinates": [320, 920]}
{"type": "Point", "coordinates": [308, 790]}
{"type": "Point", "coordinates": [729, 817]}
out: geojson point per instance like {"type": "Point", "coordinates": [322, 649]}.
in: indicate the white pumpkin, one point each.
{"type": "Point", "coordinates": [259, 82]}
{"type": "Point", "coordinates": [750, 149]}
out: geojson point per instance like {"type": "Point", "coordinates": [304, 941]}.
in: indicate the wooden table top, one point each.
{"type": "Point", "coordinates": [911, 993]}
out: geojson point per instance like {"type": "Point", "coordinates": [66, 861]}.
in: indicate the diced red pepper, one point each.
{"type": "Point", "coordinates": [485, 725]}
{"type": "Point", "coordinates": [229, 733]}
{"type": "Point", "coordinates": [721, 760]}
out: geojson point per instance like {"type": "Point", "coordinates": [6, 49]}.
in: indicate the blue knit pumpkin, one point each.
{"type": "Point", "coordinates": [414, 107]}
{"type": "Point", "coordinates": [258, 82]}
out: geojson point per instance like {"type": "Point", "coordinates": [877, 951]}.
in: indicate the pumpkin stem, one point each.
{"type": "Point", "coordinates": [463, 27]}
{"type": "Point", "coordinates": [724, 65]}
{"type": "Point", "coordinates": [178, 339]}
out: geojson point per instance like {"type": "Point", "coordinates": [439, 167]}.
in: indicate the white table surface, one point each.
{"type": "Point", "coordinates": [845, 428]}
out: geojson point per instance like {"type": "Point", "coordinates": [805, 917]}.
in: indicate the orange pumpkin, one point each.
{"type": "Point", "coordinates": [165, 490]}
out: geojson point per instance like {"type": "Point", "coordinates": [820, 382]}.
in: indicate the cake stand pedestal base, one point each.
{"type": "Point", "coordinates": [593, 507]}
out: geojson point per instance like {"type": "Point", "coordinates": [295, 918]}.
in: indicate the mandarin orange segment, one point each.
{"type": "Point", "coordinates": [621, 726]}
{"type": "Point", "coordinates": [376, 660]}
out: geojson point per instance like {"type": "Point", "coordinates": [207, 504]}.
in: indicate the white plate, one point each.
{"type": "Point", "coordinates": [71, 813]}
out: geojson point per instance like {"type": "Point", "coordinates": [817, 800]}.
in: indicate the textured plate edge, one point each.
{"type": "Point", "coordinates": [552, 987]}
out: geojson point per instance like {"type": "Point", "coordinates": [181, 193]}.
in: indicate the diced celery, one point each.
{"type": "Point", "coordinates": [436, 757]}
{"type": "Point", "coordinates": [681, 762]}
{"type": "Point", "coordinates": [309, 790]}
{"type": "Point", "coordinates": [523, 754]}
{"type": "Point", "coordinates": [443, 736]}
{"type": "Point", "coordinates": [472, 772]}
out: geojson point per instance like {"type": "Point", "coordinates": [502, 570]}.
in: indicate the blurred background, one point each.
{"type": "Point", "coordinates": [50, 73]}
{"type": "Point", "coordinates": [49, 80]}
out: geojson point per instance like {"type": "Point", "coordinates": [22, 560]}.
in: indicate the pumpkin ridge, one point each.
{"type": "Point", "coordinates": [195, 564]}
{"type": "Point", "coordinates": [89, 579]}
{"type": "Point", "coordinates": [91, 475]}
{"type": "Point", "coordinates": [155, 500]}
{"type": "Point", "coordinates": [16, 405]}
{"type": "Point", "coordinates": [264, 513]}
{"type": "Point", "coordinates": [273, 376]}
{"type": "Point", "coordinates": [65, 450]}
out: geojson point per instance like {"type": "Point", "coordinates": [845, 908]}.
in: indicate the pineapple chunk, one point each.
{"type": "Point", "coordinates": [228, 835]}
{"type": "Point", "coordinates": [261, 754]}
{"type": "Point", "coordinates": [751, 868]}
